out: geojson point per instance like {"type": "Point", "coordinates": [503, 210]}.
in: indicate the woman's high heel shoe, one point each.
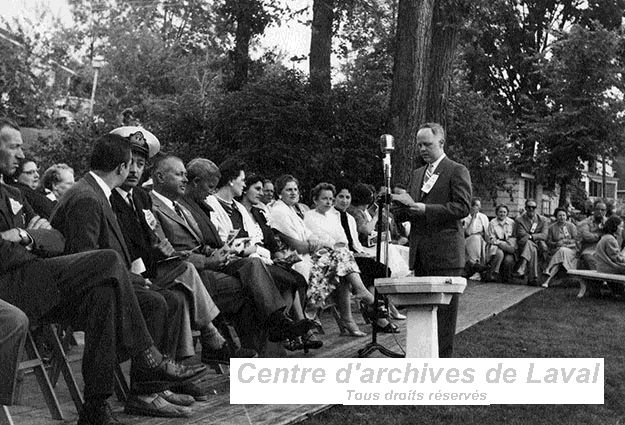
{"type": "Point", "coordinates": [349, 328]}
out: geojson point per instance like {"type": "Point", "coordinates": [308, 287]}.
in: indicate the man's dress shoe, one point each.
{"type": "Point", "coordinates": [154, 405]}
{"type": "Point", "coordinates": [161, 377]}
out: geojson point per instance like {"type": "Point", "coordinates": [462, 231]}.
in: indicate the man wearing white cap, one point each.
{"type": "Point", "coordinates": [155, 257]}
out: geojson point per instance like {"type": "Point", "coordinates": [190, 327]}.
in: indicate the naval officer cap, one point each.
{"type": "Point", "coordinates": [141, 140]}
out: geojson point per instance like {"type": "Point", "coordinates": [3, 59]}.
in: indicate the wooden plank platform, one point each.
{"type": "Point", "coordinates": [479, 302]}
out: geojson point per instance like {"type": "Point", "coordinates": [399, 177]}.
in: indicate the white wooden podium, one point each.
{"type": "Point", "coordinates": [421, 295]}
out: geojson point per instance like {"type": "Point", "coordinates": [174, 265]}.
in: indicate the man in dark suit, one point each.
{"type": "Point", "coordinates": [226, 276]}
{"type": "Point", "coordinates": [441, 198]}
{"type": "Point", "coordinates": [90, 291]}
{"type": "Point", "coordinates": [86, 219]}
{"type": "Point", "coordinates": [148, 245]}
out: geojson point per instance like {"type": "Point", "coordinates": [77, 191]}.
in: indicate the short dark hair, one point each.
{"type": "Point", "coordinates": [109, 151]}
{"type": "Point", "coordinates": [361, 194]}
{"type": "Point", "coordinates": [265, 181]}
{"type": "Point", "coordinates": [343, 184]}
{"type": "Point", "coordinates": [20, 167]}
{"type": "Point", "coordinates": [474, 200]}
{"type": "Point", "coordinates": [253, 179]}
{"type": "Point", "coordinates": [500, 206]}
{"type": "Point", "coordinates": [557, 210]}
{"type": "Point", "coordinates": [314, 193]}
{"type": "Point", "coordinates": [230, 169]}
{"type": "Point", "coordinates": [282, 181]}
{"type": "Point", "coordinates": [611, 224]}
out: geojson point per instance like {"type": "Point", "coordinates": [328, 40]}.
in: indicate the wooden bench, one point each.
{"type": "Point", "coordinates": [594, 275]}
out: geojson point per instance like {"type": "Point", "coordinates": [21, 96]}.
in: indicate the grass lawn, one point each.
{"type": "Point", "coordinates": [551, 323]}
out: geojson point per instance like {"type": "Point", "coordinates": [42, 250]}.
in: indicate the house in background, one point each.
{"type": "Point", "coordinates": [518, 190]}
{"type": "Point", "coordinates": [592, 180]}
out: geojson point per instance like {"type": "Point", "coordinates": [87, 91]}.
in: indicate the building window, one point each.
{"type": "Point", "coordinates": [610, 190]}
{"type": "Point", "coordinates": [545, 207]}
{"type": "Point", "coordinates": [530, 189]}
{"type": "Point", "coordinates": [595, 189]}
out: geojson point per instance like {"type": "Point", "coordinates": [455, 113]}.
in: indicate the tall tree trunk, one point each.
{"type": "Point", "coordinates": [321, 47]}
{"type": "Point", "coordinates": [442, 54]}
{"type": "Point", "coordinates": [408, 91]}
{"type": "Point", "coordinates": [243, 35]}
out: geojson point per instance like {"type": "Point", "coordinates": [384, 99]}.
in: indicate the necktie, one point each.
{"type": "Point", "coordinates": [131, 202]}
{"type": "Point", "coordinates": [428, 173]}
{"type": "Point", "coordinates": [179, 211]}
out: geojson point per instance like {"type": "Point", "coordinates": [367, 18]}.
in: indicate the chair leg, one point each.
{"type": "Point", "coordinates": [5, 416]}
{"type": "Point", "coordinates": [38, 368]}
{"type": "Point", "coordinates": [61, 364]}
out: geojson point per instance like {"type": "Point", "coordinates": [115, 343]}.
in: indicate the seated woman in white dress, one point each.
{"type": "Point", "coordinates": [475, 228]}
{"type": "Point", "coordinates": [562, 243]}
{"type": "Point", "coordinates": [327, 266]}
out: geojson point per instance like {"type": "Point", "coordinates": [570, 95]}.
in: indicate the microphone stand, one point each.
{"type": "Point", "coordinates": [382, 240]}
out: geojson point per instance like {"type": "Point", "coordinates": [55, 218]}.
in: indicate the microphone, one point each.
{"type": "Point", "coordinates": [387, 143]}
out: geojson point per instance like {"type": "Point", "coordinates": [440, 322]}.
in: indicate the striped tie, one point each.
{"type": "Point", "coordinates": [428, 173]}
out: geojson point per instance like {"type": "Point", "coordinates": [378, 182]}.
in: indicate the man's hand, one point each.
{"type": "Point", "coordinates": [418, 207]}
{"type": "Point", "coordinates": [11, 235]}
{"type": "Point", "coordinates": [39, 223]}
{"type": "Point", "coordinates": [404, 199]}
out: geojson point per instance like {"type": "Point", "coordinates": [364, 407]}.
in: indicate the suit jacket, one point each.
{"type": "Point", "coordinates": [36, 296]}
{"type": "Point", "coordinates": [88, 222]}
{"type": "Point", "coordinates": [141, 239]}
{"type": "Point", "coordinates": [184, 235]}
{"type": "Point", "coordinates": [523, 229]}
{"type": "Point", "coordinates": [437, 237]}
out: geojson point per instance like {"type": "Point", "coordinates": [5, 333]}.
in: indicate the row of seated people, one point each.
{"type": "Point", "coordinates": [102, 265]}
{"type": "Point", "coordinates": [179, 267]}
{"type": "Point", "coordinates": [497, 248]}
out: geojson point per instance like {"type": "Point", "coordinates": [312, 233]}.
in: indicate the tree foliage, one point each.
{"type": "Point", "coordinates": [584, 96]}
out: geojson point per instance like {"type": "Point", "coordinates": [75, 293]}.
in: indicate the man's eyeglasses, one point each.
{"type": "Point", "coordinates": [530, 207]}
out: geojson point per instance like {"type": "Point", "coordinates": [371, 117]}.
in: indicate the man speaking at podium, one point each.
{"type": "Point", "coordinates": [439, 200]}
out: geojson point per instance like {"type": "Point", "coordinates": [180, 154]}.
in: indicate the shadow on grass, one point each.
{"type": "Point", "coordinates": [551, 323]}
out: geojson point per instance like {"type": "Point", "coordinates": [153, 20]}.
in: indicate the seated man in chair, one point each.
{"type": "Point", "coordinates": [90, 291]}
{"type": "Point", "coordinates": [531, 235]}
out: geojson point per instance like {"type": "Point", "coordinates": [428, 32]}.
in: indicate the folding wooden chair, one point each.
{"type": "Point", "coordinates": [34, 363]}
